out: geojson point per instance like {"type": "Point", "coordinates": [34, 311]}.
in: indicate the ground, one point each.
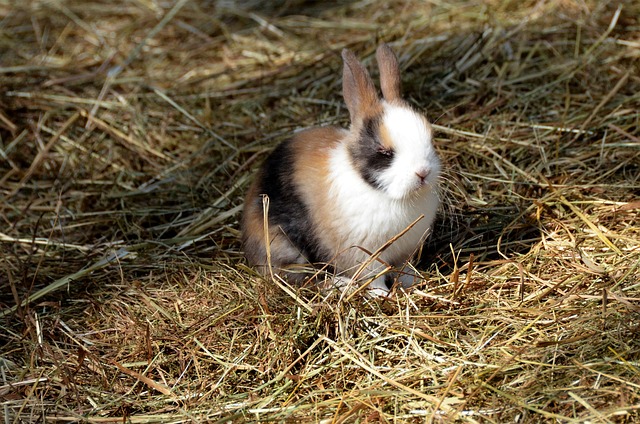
{"type": "Point", "coordinates": [130, 130]}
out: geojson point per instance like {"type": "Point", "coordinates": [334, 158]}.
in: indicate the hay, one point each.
{"type": "Point", "coordinates": [129, 132]}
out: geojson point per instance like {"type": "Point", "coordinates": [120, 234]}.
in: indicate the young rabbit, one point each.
{"type": "Point", "coordinates": [336, 196]}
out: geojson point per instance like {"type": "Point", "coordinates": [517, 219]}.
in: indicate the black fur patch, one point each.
{"type": "Point", "coordinates": [286, 207]}
{"type": "Point", "coordinates": [369, 156]}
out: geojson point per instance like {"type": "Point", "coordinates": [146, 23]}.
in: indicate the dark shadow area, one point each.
{"type": "Point", "coordinates": [478, 233]}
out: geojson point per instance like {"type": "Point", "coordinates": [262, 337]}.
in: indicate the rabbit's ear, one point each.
{"type": "Point", "coordinates": [357, 88]}
{"type": "Point", "coordinates": [389, 73]}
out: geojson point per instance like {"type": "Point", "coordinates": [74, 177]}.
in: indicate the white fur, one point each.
{"type": "Point", "coordinates": [368, 217]}
{"type": "Point", "coordinates": [413, 152]}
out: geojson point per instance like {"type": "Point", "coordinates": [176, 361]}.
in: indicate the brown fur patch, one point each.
{"type": "Point", "coordinates": [385, 138]}
{"type": "Point", "coordinates": [312, 176]}
{"type": "Point", "coordinates": [254, 239]}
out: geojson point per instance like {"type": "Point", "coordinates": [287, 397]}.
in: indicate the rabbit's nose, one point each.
{"type": "Point", "coordinates": [422, 174]}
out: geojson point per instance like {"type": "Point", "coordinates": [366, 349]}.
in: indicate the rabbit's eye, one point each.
{"type": "Point", "coordinates": [385, 151]}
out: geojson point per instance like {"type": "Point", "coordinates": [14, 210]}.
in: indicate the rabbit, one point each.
{"type": "Point", "coordinates": [334, 196]}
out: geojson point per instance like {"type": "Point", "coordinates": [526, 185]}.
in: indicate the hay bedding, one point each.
{"type": "Point", "coordinates": [129, 131]}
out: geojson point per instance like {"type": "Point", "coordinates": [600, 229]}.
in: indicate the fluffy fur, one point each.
{"type": "Point", "coordinates": [335, 196]}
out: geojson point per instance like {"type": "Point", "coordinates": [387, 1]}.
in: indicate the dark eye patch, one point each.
{"type": "Point", "coordinates": [369, 155]}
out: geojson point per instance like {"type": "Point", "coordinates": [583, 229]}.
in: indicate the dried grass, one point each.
{"type": "Point", "coordinates": [129, 132]}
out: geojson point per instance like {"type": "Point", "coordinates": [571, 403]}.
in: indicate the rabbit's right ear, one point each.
{"type": "Point", "coordinates": [357, 88]}
{"type": "Point", "coordinates": [389, 73]}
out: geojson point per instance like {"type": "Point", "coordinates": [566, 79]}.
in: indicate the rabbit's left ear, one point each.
{"type": "Point", "coordinates": [357, 87]}
{"type": "Point", "coordinates": [389, 73]}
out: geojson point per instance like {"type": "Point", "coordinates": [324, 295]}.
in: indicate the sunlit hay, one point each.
{"type": "Point", "coordinates": [129, 132]}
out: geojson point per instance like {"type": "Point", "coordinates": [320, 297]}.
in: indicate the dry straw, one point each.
{"type": "Point", "coordinates": [130, 130]}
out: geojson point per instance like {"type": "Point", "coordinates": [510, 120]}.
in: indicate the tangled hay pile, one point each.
{"type": "Point", "coordinates": [129, 132]}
